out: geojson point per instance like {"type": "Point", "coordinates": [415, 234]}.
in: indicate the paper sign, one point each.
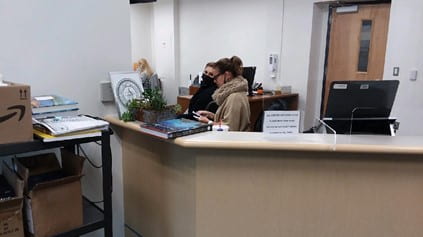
{"type": "Point", "coordinates": [283, 122]}
{"type": "Point", "coordinates": [44, 97]}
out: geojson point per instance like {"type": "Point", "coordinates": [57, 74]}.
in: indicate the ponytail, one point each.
{"type": "Point", "coordinates": [232, 65]}
{"type": "Point", "coordinates": [237, 66]}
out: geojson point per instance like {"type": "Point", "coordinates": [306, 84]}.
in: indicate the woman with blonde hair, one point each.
{"type": "Point", "coordinates": [148, 78]}
{"type": "Point", "coordinates": [231, 96]}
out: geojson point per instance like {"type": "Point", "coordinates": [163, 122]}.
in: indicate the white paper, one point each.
{"type": "Point", "coordinates": [281, 121]}
{"type": "Point", "coordinates": [44, 97]}
{"type": "Point", "coordinates": [59, 126]}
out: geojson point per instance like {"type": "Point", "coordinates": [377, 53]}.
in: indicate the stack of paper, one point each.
{"type": "Point", "coordinates": [71, 127]}
{"type": "Point", "coordinates": [50, 138]}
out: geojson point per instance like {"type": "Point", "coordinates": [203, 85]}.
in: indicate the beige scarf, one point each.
{"type": "Point", "coordinates": [238, 84]}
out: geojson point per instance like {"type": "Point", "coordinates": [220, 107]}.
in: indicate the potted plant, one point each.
{"type": "Point", "coordinates": [133, 108]}
{"type": "Point", "coordinates": [151, 108]}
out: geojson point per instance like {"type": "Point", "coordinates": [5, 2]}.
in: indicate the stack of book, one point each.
{"type": "Point", "coordinates": [66, 128]}
{"type": "Point", "coordinates": [53, 106]}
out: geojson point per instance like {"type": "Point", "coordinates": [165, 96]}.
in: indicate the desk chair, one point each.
{"type": "Point", "coordinates": [279, 104]}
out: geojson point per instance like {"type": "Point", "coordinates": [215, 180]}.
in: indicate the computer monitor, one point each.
{"type": "Point", "coordinates": [361, 107]}
{"type": "Point", "coordinates": [361, 99]}
{"type": "Point", "coordinates": [248, 73]}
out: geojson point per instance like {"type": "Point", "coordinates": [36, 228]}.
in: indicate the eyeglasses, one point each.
{"type": "Point", "coordinates": [217, 75]}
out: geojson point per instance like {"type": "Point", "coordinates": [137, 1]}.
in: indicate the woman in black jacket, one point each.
{"type": "Point", "coordinates": [202, 99]}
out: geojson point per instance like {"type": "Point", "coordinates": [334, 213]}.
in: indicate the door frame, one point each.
{"type": "Point", "coordinates": [329, 27]}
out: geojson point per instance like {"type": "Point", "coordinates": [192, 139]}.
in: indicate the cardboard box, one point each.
{"type": "Point", "coordinates": [15, 113]}
{"type": "Point", "coordinates": [11, 223]}
{"type": "Point", "coordinates": [54, 206]}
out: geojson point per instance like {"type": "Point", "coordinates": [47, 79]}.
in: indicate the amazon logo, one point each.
{"type": "Point", "coordinates": [15, 110]}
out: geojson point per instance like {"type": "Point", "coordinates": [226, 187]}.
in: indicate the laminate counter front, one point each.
{"type": "Point", "coordinates": [255, 184]}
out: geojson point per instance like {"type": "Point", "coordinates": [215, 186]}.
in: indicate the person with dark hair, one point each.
{"type": "Point", "coordinates": [231, 97]}
{"type": "Point", "coordinates": [202, 99]}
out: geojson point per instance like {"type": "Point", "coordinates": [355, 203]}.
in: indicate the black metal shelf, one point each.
{"type": "Point", "coordinates": [94, 218]}
{"type": "Point", "coordinates": [37, 145]}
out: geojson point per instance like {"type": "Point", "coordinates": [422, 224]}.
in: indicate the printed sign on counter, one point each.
{"type": "Point", "coordinates": [283, 122]}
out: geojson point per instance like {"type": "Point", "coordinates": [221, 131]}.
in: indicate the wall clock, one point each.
{"type": "Point", "coordinates": [125, 86]}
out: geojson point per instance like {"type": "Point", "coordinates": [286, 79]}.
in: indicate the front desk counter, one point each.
{"type": "Point", "coordinates": [252, 184]}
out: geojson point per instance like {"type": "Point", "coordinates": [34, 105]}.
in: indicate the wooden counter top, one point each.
{"type": "Point", "coordinates": [295, 142]}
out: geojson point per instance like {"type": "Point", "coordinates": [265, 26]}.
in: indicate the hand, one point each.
{"type": "Point", "coordinates": [194, 114]}
{"type": "Point", "coordinates": [202, 119]}
{"type": "Point", "coordinates": [205, 113]}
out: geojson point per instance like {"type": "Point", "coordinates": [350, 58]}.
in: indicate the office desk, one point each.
{"type": "Point", "coordinates": [253, 184]}
{"type": "Point", "coordinates": [258, 103]}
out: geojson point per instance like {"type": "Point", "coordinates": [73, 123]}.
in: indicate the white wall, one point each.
{"type": "Point", "coordinates": [141, 31]}
{"type": "Point", "coordinates": [210, 30]}
{"type": "Point", "coordinates": [296, 49]}
{"type": "Point", "coordinates": [67, 47]}
{"type": "Point", "coordinates": [404, 49]}
{"type": "Point", "coordinates": [165, 47]}
{"type": "Point", "coordinates": [316, 66]}
{"type": "Point", "coordinates": [154, 33]}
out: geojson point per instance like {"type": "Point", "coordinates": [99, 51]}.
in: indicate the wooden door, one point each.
{"type": "Point", "coordinates": [357, 45]}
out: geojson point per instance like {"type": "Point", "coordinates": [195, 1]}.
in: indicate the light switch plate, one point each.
{"type": "Point", "coordinates": [413, 75]}
{"type": "Point", "coordinates": [395, 72]}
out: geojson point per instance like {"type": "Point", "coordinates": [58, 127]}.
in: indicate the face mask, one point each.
{"type": "Point", "coordinates": [206, 77]}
